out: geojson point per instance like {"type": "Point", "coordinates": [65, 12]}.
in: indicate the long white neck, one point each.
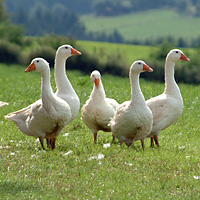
{"type": "Point", "coordinates": [62, 82]}
{"type": "Point", "coordinates": [136, 93]}
{"type": "Point", "coordinates": [98, 93]}
{"type": "Point", "coordinates": [47, 92]}
{"type": "Point", "coordinates": [171, 88]}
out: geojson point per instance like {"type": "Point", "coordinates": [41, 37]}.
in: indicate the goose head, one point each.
{"type": "Point", "coordinates": [140, 66]}
{"type": "Point", "coordinates": [38, 64]}
{"type": "Point", "coordinates": [176, 54]}
{"type": "Point", "coordinates": [66, 51]}
{"type": "Point", "coordinates": [96, 77]}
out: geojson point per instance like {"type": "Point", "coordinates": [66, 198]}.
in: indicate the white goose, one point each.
{"type": "Point", "coordinates": [168, 106]}
{"type": "Point", "coordinates": [133, 119]}
{"type": "Point", "coordinates": [3, 103]}
{"type": "Point", "coordinates": [98, 110]}
{"type": "Point", "coordinates": [46, 117]}
{"type": "Point", "coordinates": [64, 88]}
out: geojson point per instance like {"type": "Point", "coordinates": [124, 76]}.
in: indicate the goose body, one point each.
{"type": "Point", "coordinates": [46, 117]}
{"type": "Point", "coordinates": [98, 110]}
{"type": "Point", "coordinates": [133, 119]}
{"type": "Point", "coordinates": [168, 106]}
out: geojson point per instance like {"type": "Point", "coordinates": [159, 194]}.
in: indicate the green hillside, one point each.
{"type": "Point", "coordinates": [146, 25]}
{"type": "Point", "coordinates": [130, 53]}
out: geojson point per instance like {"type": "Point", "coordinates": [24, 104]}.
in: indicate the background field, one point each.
{"type": "Point", "coordinates": [74, 170]}
{"type": "Point", "coordinates": [150, 24]}
{"type": "Point", "coordinates": [129, 53]}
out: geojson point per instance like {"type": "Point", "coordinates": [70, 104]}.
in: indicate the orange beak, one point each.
{"type": "Point", "coordinates": [31, 67]}
{"type": "Point", "coordinates": [147, 68]}
{"type": "Point", "coordinates": [75, 52]}
{"type": "Point", "coordinates": [96, 81]}
{"type": "Point", "coordinates": [184, 57]}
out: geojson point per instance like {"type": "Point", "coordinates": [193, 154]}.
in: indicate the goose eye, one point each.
{"type": "Point", "coordinates": [176, 51]}
{"type": "Point", "coordinates": [37, 61]}
{"type": "Point", "coordinates": [139, 63]}
{"type": "Point", "coordinates": [66, 47]}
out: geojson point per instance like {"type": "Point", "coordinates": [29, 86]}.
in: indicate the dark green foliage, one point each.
{"type": "Point", "coordinates": [162, 51]}
{"type": "Point", "coordinates": [55, 41]}
{"type": "Point", "coordinates": [42, 20]}
{"type": "Point", "coordinates": [186, 72]}
{"type": "Point", "coordinates": [181, 42]}
{"type": "Point", "coordinates": [117, 7]}
{"type": "Point", "coordinates": [84, 6]}
{"type": "Point", "coordinates": [3, 14]}
{"type": "Point", "coordinates": [111, 8]}
{"type": "Point", "coordinates": [46, 52]}
{"type": "Point", "coordinates": [87, 63]}
{"type": "Point", "coordinates": [45, 47]}
{"type": "Point", "coordinates": [9, 52]}
{"type": "Point", "coordinates": [11, 32]}
{"type": "Point", "coordinates": [107, 7]}
{"type": "Point", "coordinates": [114, 37]}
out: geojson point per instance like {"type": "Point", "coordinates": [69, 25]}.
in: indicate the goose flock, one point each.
{"type": "Point", "coordinates": [134, 119]}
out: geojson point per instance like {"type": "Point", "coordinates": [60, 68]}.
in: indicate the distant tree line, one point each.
{"type": "Point", "coordinates": [180, 42]}
{"type": "Point", "coordinates": [118, 7]}
{"type": "Point", "coordinates": [62, 17]}
{"type": "Point", "coordinates": [110, 7]}
{"type": "Point", "coordinates": [41, 20]}
{"type": "Point", "coordinates": [79, 6]}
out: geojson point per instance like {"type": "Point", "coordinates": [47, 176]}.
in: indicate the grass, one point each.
{"type": "Point", "coordinates": [72, 171]}
{"type": "Point", "coordinates": [146, 25]}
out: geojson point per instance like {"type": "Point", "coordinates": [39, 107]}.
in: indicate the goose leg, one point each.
{"type": "Point", "coordinates": [142, 142]}
{"type": "Point", "coordinates": [113, 138]}
{"type": "Point", "coordinates": [152, 142]}
{"type": "Point", "coordinates": [121, 142]}
{"type": "Point", "coordinates": [41, 142]}
{"type": "Point", "coordinates": [156, 140]}
{"type": "Point", "coordinates": [53, 143]}
{"type": "Point", "coordinates": [95, 138]}
{"type": "Point", "coordinates": [48, 142]}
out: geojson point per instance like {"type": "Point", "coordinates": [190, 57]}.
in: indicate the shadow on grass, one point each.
{"type": "Point", "coordinates": [9, 188]}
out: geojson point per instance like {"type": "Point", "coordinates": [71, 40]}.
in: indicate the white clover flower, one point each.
{"type": "Point", "coordinates": [66, 154]}
{"type": "Point", "coordinates": [196, 177]}
{"type": "Point", "coordinates": [66, 134]}
{"type": "Point", "coordinates": [98, 157]}
{"type": "Point", "coordinates": [106, 145]}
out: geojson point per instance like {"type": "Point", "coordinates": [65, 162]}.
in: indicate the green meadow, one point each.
{"type": "Point", "coordinates": [128, 53]}
{"type": "Point", "coordinates": [144, 25]}
{"type": "Point", "coordinates": [80, 169]}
